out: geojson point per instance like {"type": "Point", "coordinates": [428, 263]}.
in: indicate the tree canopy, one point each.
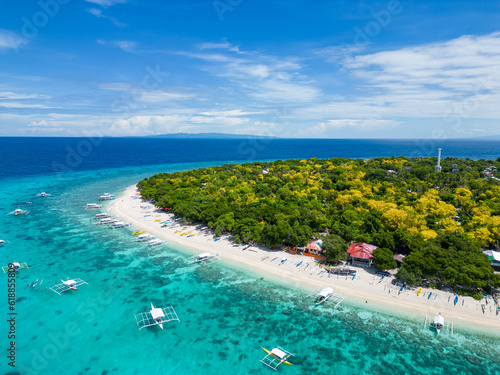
{"type": "Point", "coordinates": [399, 204]}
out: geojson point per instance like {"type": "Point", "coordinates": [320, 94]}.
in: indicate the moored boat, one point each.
{"type": "Point", "coordinates": [438, 323]}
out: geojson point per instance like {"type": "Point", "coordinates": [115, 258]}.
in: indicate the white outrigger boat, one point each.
{"type": "Point", "coordinates": [3, 242]}
{"type": "Point", "coordinates": [205, 258]}
{"type": "Point", "coordinates": [43, 194]}
{"type": "Point", "coordinates": [156, 316]}
{"type": "Point", "coordinates": [155, 242]}
{"type": "Point", "coordinates": [101, 215]}
{"type": "Point", "coordinates": [276, 357]}
{"type": "Point", "coordinates": [92, 206]}
{"type": "Point", "coordinates": [67, 285]}
{"type": "Point", "coordinates": [16, 266]}
{"type": "Point", "coordinates": [438, 323]}
{"type": "Point", "coordinates": [18, 211]}
{"type": "Point", "coordinates": [325, 294]}
{"type": "Point", "coordinates": [144, 237]}
{"type": "Point", "coordinates": [119, 224]}
{"type": "Point", "coordinates": [106, 221]}
{"type": "Point", "coordinates": [106, 197]}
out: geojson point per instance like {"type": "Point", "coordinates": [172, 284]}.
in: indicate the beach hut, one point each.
{"type": "Point", "coordinates": [360, 254]}
{"type": "Point", "coordinates": [314, 249]}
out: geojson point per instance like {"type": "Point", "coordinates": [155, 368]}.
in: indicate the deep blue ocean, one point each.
{"type": "Point", "coordinates": [225, 313]}
{"type": "Point", "coordinates": [27, 156]}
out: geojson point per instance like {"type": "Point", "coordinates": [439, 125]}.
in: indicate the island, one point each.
{"type": "Point", "coordinates": [430, 224]}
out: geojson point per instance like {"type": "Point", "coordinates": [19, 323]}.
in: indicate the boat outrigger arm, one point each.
{"type": "Point", "coordinates": [157, 316]}
{"type": "Point", "coordinates": [67, 285]}
{"type": "Point", "coordinates": [16, 266]}
{"type": "Point", "coordinates": [276, 357]}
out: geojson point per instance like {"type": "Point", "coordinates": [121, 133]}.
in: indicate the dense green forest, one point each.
{"type": "Point", "coordinates": [439, 220]}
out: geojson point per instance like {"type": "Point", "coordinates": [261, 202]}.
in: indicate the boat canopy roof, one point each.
{"type": "Point", "coordinates": [205, 255]}
{"type": "Point", "coordinates": [69, 282]}
{"type": "Point", "coordinates": [16, 264]}
{"type": "Point", "coordinates": [439, 319]}
{"type": "Point", "coordinates": [157, 313]}
{"type": "Point", "coordinates": [278, 353]}
{"type": "Point", "coordinates": [326, 292]}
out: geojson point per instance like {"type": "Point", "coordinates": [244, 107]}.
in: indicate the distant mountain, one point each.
{"type": "Point", "coordinates": [210, 135]}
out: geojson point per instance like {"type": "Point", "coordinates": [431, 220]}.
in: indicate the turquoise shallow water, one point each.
{"type": "Point", "coordinates": [225, 314]}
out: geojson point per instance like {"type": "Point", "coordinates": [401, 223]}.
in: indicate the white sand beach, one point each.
{"type": "Point", "coordinates": [365, 288]}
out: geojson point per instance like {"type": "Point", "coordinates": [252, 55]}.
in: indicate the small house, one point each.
{"type": "Point", "coordinates": [314, 249]}
{"type": "Point", "coordinates": [360, 254]}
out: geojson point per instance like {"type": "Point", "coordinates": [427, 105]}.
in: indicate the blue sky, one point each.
{"type": "Point", "coordinates": [323, 69]}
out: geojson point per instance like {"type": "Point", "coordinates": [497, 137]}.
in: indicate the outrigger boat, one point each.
{"type": "Point", "coordinates": [156, 316]}
{"type": "Point", "coordinates": [276, 357]}
{"type": "Point", "coordinates": [155, 242]}
{"type": "Point", "coordinates": [107, 221]}
{"type": "Point", "coordinates": [119, 224]}
{"type": "Point", "coordinates": [102, 215]}
{"type": "Point", "coordinates": [438, 323]}
{"type": "Point", "coordinates": [92, 206]}
{"type": "Point", "coordinates": [67, 285]}
{"type": "Point", "coordinates": [326, 294]}
{"type": "Point", "coordinates": [19, 211]}
{"type": "Point", "coordinates": [205, 258]}
{"type": "Point", "coordinates": [144, 237]}
{"type": "Point", "coordinates": [3, 242]}
{"type": "Point", "coordinates": [14, 265]}
{"type": "Point", "coordinates": [106, 197]}
{"type": "Point", "coordinates": [43, 194]}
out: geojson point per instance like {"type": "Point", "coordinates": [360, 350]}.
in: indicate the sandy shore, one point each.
{"type": "Point", "coordinates": [365, 288]}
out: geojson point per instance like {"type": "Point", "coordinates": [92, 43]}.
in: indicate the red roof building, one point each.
{"type": "Point", "coordinates": [360, 252]}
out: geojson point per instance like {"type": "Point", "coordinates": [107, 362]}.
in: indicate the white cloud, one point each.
{"type": "Point", "coordinates": [158, 96]}
{"type": "Point", "coordinates": [11, 40]}
{"type": "Point", "coordinates": [231, 113]}
{"type": "Point", "coordinates": [39, 123]}
{"type": "Point", "coordinates": [285, 91]}
{"type": "Point", "coordinates": [357, 123]}
{"type": "Point", "coordinates": [95, 12]}
{"type": "Point", "coordinates": [52, 130]}
{"type": "Point", "coordinates": [23, 105]}
{"type": "Point", "coordinates": [219, 120]}
{"type": "Point", "coordinates": [144, 125]}
{"type": "Point", "coordinates": [266, 77]}
{"type": "Point", "coordinates": [453, 79]}
{"type": "Point", "coordinates": [13, 95]}
{"type": "Point", "coordinates": [126, 45]}
{"type": "Point", "coordinates": [98, 13]}
{"type": "Point", "coordinates": [224, 45]}
{"type": "Point", "coordinates": [456, 67]}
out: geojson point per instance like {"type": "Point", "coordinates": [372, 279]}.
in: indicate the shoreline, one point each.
{"type": "Point", "coordinates": [364, 289]}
